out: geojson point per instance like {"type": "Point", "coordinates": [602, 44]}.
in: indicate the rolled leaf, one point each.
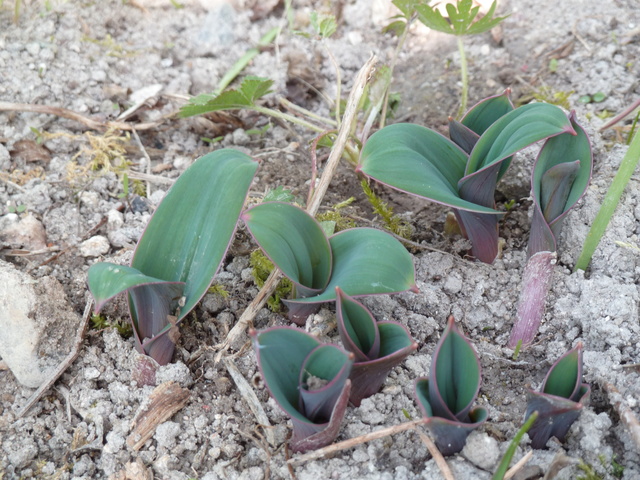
{"type": "Point", "coordinates": [387, 344]}
{"type": "Point", "coordinates": [294, 241]}
{"type": "Point", "coordinates": [366, 261]}
{"type": "Point", "coordinates": [536, 282]}
{"type": "Point", "coordinates": [446, 397]}
{"type": "Point", "coordinates": [183, 245]}
{"type": "Point", "coordinates": [450, 436]}
{"type": "Point", "coordinates": [281, 354]}
{"type": "Point", "coordinates": [560, 177]}
{"type": "Point", "coordinates": [559, 400]}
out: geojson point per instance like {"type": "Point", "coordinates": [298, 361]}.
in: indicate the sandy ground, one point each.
{"type": "Point", "coordinates": [91, 57]}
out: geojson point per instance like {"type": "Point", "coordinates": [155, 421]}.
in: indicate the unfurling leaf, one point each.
{"type": "Point", "coordinates": [361, 261]}
{"type": "Point", "coordinates": [180, 250]}
{"type": "Point", "coordinates": [446, 397]}
{"type": "Point", "coordinates": [559, 400]}
{"type": "Point", "coordinates": [377, 346]}
{"type": "Point", "coordinates": [292, 363]}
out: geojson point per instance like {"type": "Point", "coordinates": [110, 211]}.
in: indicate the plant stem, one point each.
{"type": "Point", "coordinates": [506, 460]}
{"type": "Point", "coordinates": [465, 78]}
{"type": "Point", "coordinates": [609, 204]}
{"type": "Point", "coordinates": [308, 113]}
{"type": "Point", "coordinates": [287, 118]}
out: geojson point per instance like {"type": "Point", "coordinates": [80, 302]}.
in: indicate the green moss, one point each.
{"type": "Point", "coordinates": [391, 221]}
{"type": "Point", "coordinates": [261, 269]}
{"type": "Point", "coordinates": [335, 215]}
{"type": "Point", "coordinates": [219, 289]}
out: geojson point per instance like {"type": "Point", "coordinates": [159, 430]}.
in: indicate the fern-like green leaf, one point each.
{"type": "Point", "coordinates": [251, 89]}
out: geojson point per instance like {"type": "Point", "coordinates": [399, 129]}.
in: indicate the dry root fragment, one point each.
{"type": "Point", "coordinates": [167, 399]}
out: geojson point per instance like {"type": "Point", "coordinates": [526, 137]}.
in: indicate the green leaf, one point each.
{"type": "Point", "coordinates": [486, 23]}
{"type": "Point", "coordinates": [417, 160]}
{"type": "Point", "coordinates": [433, 19]}
{"type": "Point", "coordinates": [294, 242]}
{"type": "Point", "coordinates": [325, 363]}
{"type": "Point", "coordinates": [281, 352]}
{"type": "Point", "coordinates": [486, 112]}
{"type": "Point", "coordinates": [106, 280]}
{"type": "Point", "coordinates": [325, 25]}
{"type": "Point", "coordinates": [279, 194]}
{"type": "Point", "coordinates": [251, 89]}
{"type": "Point", "coordinates": [454, 374]}
{"type": "Point", "coordinates": [555, 186]}
{"type": "Point", "coordinates": [514, 131]}
{"type": "Point", "coordinates": [565, 375]}
{"type": "Point", "coordinates": [366, 261]}
{"type": "Point", "coordinates": [407, 7]}
{"type": "Point", "coordinates": [357, 328]}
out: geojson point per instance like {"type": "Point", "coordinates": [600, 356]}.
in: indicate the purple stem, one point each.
{"type": "Point", "coordinates": [536, 282]}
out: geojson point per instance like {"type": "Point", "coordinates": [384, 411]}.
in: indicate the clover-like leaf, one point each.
{"type": "Point", "coordinates": [251, 89]}
{"type": "Point", "coordinates": [560, 399]}
{"type": "Point", "coordinates": [180, 250]}
{"type": "Point", "coordinates": [290, 361]}
{"type": "Point", "coordinates": [447, 396]}
{"type": "Point", "coordinates": [377, 346]}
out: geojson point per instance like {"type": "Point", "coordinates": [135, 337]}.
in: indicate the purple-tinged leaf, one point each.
{"type": "Point", "coordinates": [322, 378]}
{"type": "Point", "coordinates": [446, 397]}
{"type": "Point", "coordinates": [536, 281]}
{"type": "Point", "coordinates": [357, 328]}
{"type": "Point", "coordinates": [281, 354]}
{"type": "Point", "coordinates": [387, 345]}
{"type": "Point", "coordinates": [449, 435]}
{"type": "Point", "coordinates": [555, 187]}
{"type": "Point", "coordinates": [367, 377]}
{"type": "Point", "coordinates": [486, 112]}
{"type": "Point", "coordinates": [455, 375]}
{"type": "Point", "coordinates": [462, 135]}
{"type": "Point", "coordinates": [560, 154]}
{"type": "Point", "coordinates": [301, 443]}
{"type": "Point", "coordinates": [482, 231]}
{"type": "Point", "coordinates": [559, 400]}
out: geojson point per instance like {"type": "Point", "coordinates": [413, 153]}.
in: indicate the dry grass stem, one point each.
{"type": "Point", "coordinates": [352, 442]}
{"type": "Point", "coordinates": [66, 363]}
{"type": "Point", "coordinates": [251, 398]}
{"type": "Point", "coordinates": [437, 456]}
{"type": "Point", "coordinates": [518, 465]}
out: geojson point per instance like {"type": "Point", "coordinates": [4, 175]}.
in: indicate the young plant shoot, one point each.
{"type": "Point", "coordinates": [560, 177]}
{"type": "Point", "coordinates": [463, 172]}
{"type": "Point", "coordinates": [361, 261]}
{"type": "Point", "coordinates": [377, 346]}
{"type": "Point", "coordinates": [308, 380]}
{"type": "Point", "coordinates": [559, 400]}
{"type": "Point", "coordinates": [180, 251]}
{"type": "Point", "coordinates": [446, 397]}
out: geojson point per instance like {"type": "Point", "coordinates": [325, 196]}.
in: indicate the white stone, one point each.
{"type": "Point", "coordinates": [94, 246]}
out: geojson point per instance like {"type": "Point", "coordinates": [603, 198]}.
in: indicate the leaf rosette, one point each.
{"type": "Point", "coordinates": [377, 346]}
{"type": "Point", "coordinates": [308, 380]}
{"type": "Point", "coordinates": [560, 399]}
{"type": "Point", "coordinates": [446, 397]}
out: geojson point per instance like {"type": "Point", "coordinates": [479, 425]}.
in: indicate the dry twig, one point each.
{"type": "Point", "coordinates": [518, 465]}
{"type": "Point", "coordinates": [352, 442]}
{"type": "Point", "coordinates": [437, 456]}
{"type": "Point", "coordinates": [66, 363]}
{"type": "Point", "coordinates": [627, 417]}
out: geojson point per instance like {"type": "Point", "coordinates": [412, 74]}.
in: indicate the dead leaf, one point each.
{"type": "Point", "coordinates": [30, 151]}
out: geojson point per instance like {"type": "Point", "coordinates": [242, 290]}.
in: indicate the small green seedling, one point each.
{"type": "Point", "coordinates": [560, 178]}
{"type": "Point", "coordinates": [513, 446]}
{"type": "Point", "coordinates": [308, 380]}
{"type": "Point", "coordinates": [560, 399]}
{"type": "Point", "coordinates": [461, 22]}
{"type": "Point", "coordinates": [463, 172]}
{"type": "Point", "coordinates": [446, 397]}
{"type": "Point", "coordinates": [180, 251]}
{"type": "Point", "coordinates": [361, 261]}
{"type": "Point", "coordinates": [377, 346]}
